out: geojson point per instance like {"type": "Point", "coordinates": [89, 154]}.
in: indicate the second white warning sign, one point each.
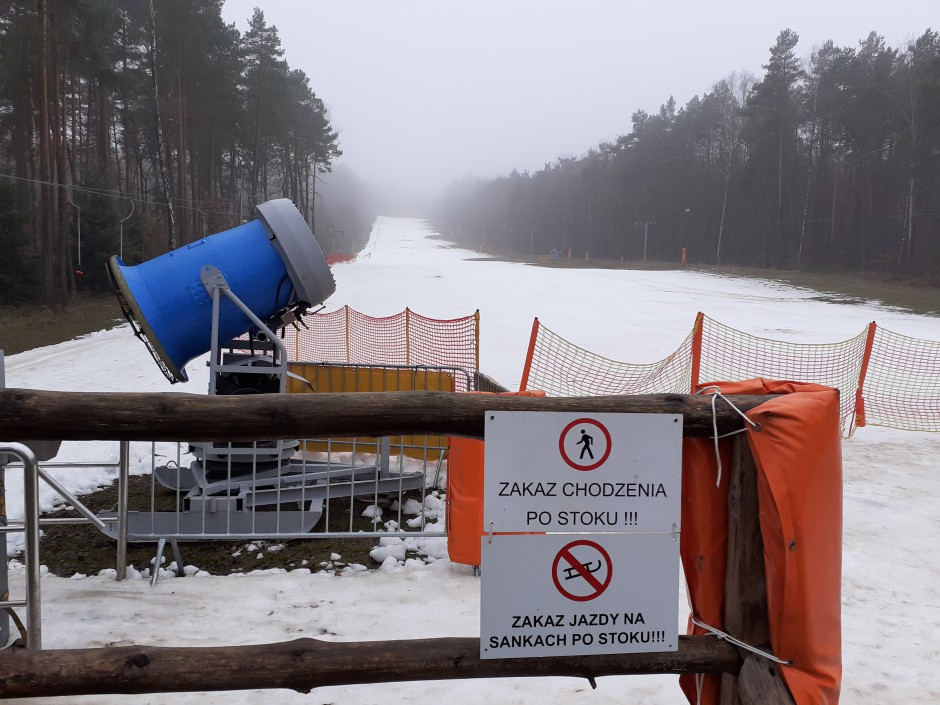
{"type": "Point", "coordinates": [578, 594]}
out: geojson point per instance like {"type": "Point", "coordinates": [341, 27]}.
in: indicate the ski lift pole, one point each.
{"type": "Point", "coordinates": [69, 196]}
{"type": "Point", "coordinates": [121, 244]}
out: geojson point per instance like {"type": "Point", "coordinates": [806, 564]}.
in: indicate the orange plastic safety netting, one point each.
{"type": "Point", "coordinates": [728, 354]}
{"type": "Point", "coordinates": [902, 383]}
{"type": "Point", "coordinates": [716, 352]}
{"type": "Point", "coordinates": [406, 338]}
{"type": "Point", "coordinates": [562, 369]}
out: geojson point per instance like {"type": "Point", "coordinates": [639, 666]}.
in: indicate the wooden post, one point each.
{"type": "Point", "coordinates": [476, 341]}
{"type": "Point", "coordinates": [697, 332]}
{"type": "Point", "coordinates": [746, 589]}
{"type": "Point", "coordinates": [346, 310]}
{"type": "Point", "coordinates": [859, 419]}
{"type": "Point", "coordinates": [407, 335]}
{"type": "Point", "coordinates": [533, 337]}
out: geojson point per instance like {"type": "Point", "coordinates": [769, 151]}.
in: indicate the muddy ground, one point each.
{"type": "Point", "coordinates": [27, 327]}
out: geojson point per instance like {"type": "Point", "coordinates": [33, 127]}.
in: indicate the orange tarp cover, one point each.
{"type": "Point", "coordinates": [465, 494]}
{"type": "Point", "coordinates": [798, 453]}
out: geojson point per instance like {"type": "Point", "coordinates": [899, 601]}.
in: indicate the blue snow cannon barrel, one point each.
{"type": "Point", "coordinates": [269, 264]}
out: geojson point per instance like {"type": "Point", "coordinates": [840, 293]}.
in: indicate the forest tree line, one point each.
{"type": "Point", "coordinates": [829, 162]}
{"type": "Point", "coordinates": [137, 126]}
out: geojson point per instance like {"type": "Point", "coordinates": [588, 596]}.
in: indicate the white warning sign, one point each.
{"type": "Point", "coordinates": [554, 471]}
{"type": "Point", "coordinates": [561, 595]}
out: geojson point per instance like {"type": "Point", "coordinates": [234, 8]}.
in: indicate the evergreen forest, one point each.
{"type": "Point", "coordinates": [826, 162]}
{"type": "Point", "coordinates": [133, 127]}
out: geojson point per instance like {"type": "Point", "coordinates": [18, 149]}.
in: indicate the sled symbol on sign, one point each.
{"type": "Point", "coordinates": [574, 572]}
{"type": "Point", "coordinates": [588, 568]}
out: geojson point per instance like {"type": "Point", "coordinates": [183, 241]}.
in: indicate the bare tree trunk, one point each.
{"type": "Point", "coordinates": [45, 188]}
{"type": "Point", "coordinates": [775, 258]}
{"type": "Point", "coordinates": [195, 188]}
{"type": "Point", "coordinates": [125, 116]}
{"type": "Point", "coordinates": [832, 214]}
{"type": "Point", "coordinates": [212, 170]}
{"type": "Point", "coordinates": [115, 148]}
{"type": "Point", "coordinates": [264, 179]}
{"type": "Point", "coordinates": [161, 161]}
{"type": "Point", "coordinates": [313, 196]}
{"type": "Point", "coordinates": [104, 120]}
{"type": "Point", "coordinates": [234, 185]}
{"type": "Point", "coordinates": [65, 278]}
{"type": "Point", "coordinates": [181, 153]}
{"type": "Point", "coordinates": [809, 179]}
{"type": "Point", "coordinates": [729, 137]}
{"type": "Point", "coordinates": [910, 222]}
{"type": "Point", "coordinates": [256, 157]}
{"type": "Point", "coordinates": [288, 171]}
{"type": "Point", "coordinates": [303, 179]}
{"type": "Point", "coordinates": [721, 222]}
{"type": "Point", "coordinates": [913, 122]}
{"type": "Point", "coordinates": [73, 166]}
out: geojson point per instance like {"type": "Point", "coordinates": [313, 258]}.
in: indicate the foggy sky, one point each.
{"type": "Point", "coordinates": [426, 91]}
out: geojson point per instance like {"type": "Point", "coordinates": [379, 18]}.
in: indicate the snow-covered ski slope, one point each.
{"type": "Point", "coordinates": [891, 610]}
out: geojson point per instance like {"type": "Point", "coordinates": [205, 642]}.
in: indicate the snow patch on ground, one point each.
{"type": "Point", "coordinates": [891, 614]}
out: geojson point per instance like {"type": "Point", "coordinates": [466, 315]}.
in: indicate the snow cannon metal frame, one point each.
{"type": "Point", "coordinates": [270, 269]}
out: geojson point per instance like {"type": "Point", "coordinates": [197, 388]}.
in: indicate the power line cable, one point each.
{"type": "Point", "coordinates": [126, 196]}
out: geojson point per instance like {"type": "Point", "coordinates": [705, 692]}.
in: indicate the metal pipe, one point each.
{"type": "Point", "coordinates": [4, 564]}
{"type": "Point", "coordinates": [157, 560]}
{"type": "Point", "coordinates": [287, 536]}
{"type": "Point", "coordinates": [120, 564]}
{"type": "Point", "coordinates": [31, 519]}
{"type": "Point", "coordinates": [18, 527]}
{"type": "Point", "coordinates": [214, 356]}
{"type": "Point", "coordinates": [70, 498]}
{"type": "Point", "coordinates": [31, 529]}
{"type": "Point", "coordinates": [67, 464]}
{"type": "Point", "coordinates": [272, 336]}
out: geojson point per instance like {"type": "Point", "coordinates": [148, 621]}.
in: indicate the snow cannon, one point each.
{"type": "Point", "coordinates": [271, 266]}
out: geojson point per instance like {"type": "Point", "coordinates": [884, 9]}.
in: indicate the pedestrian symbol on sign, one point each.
{"type": "Point", "coordinates": [587, 441]}
{"type": "Point", "coordinates": [585, 444]}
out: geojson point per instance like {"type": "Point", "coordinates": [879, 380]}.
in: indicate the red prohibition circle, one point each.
{"type": "Point", "coordinates": [598, 586]}
{"type": "Point", "coordinates": [564, 455]}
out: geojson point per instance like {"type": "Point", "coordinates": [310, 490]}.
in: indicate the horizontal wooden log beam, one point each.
{"type": "Point", "coordinates": [85, 416]}
{"type": "Point", "coordinates": [304, 664]}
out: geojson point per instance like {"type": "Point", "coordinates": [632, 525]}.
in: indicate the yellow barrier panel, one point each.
{"type": "Point", "coordinates": [324, 378]}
